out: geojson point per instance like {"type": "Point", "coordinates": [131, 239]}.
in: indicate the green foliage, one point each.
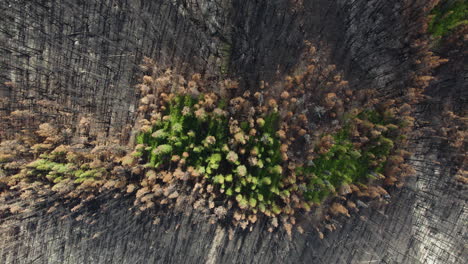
{"type": "Point", "coordinates": [249, 166]}
{"type": "Point", "coordinates": [344, 163]}
{"type": "Point", "coordinates": [55, 171]}
{"type": "Point", "coordinates": [204, 135]}
{"type": "Point", "coordinates": [446, 17]}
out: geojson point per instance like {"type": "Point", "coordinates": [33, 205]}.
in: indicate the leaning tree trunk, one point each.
{"type": "Point", "coordinates": [67, 59]}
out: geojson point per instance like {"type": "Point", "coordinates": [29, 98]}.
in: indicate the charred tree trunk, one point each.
{"type": "Point", "coordinates": [67, 59]}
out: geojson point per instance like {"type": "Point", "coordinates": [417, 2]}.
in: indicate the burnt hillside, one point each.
{"type": "Point", "coordinates": [69, 59]}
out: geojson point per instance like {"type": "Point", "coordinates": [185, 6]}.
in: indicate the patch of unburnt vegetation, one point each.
{"type": "Point", "coordinates": [306, 144]}
{"type": "Point", "coordinates": [244, 158]}
{"type": "Point", "coordinates": [447, 16]}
